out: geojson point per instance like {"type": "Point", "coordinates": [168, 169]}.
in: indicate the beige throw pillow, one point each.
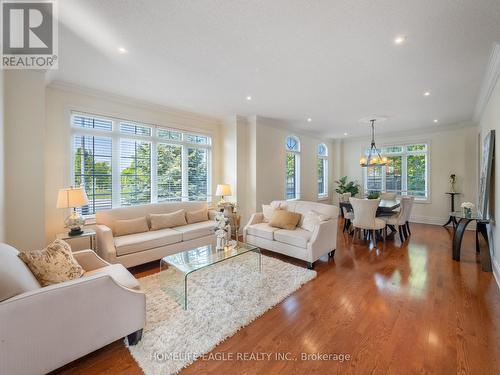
{"type": "Point", "coordinates": [285, 219]}
{"type": "Point", "coordinates": [52, 265]}
{"type": "Point", "coordinates": [197, 216]}
{"type": "Point", "coordinates": [170, 220]}
{"type": "Point", "coordinates": [131, 226]}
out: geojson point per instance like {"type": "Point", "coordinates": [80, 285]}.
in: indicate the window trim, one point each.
{"type": "Point", "coordinates": [116, 136]}
{"type": "Point", "coordinates": [296, 154]}
{"type": "Point", "coordinates": [428, 180]}
{"type": "Point", "coordinates": [324, 159]}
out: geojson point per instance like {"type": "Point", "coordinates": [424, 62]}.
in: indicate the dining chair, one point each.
{"type": "Point", "coordinates": [387, 196]}
{"type": "Point", "coordinates": [345, 197]}
{"type": "Point", "coordinates": [408, 214]}
{"type": "Point", "coordinates": [365, 217]}
{"type": "Point", "coordinates": [399, 219]}
{"type": "Point", "coordinates": [348, 218]}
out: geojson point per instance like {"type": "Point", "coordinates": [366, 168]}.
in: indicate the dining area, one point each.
{"type": "Point", "coordinates": [376, 218]}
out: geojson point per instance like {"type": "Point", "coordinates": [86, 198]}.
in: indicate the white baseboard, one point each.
{"type": "Point", "coordinates": [434, 221]}
{"type": "Point", "coordinates": [496, 270]}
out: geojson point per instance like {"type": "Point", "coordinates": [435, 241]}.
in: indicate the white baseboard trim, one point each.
{"type": "Point", "coordinates": [434, 221]}
{"type": "Point", "coordinates": [496, 270]}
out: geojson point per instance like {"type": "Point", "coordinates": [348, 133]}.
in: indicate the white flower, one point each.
{"type": "Point", "coordinates": [467, 205]}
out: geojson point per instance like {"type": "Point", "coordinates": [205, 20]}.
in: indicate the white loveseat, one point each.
{"type": "Point", "coordinates": [299, 243]}
{"type": "Point", "coordinates": [133, 249]}
{"type": "Point", "coordinates": [44, 328]}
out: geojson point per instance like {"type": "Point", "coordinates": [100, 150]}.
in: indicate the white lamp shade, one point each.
{"type": "Point", "coordinates": [72, 197]}
{"type": "Point", "coordinates": [223, 190]}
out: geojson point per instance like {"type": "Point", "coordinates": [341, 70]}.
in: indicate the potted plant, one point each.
{"type": "Point", "coordinates": [345, 186]}
{"type": "Point", "coordinates": [373, 195]}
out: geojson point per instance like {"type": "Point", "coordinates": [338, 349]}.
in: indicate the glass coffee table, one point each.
{"type": "Point", "coordinates": [175, 269]}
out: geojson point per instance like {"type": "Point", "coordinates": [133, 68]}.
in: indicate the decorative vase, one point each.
{"type": "Point", "coordinates": [467, 212]}
{"type": "Point", "coordinates": [220, 243]}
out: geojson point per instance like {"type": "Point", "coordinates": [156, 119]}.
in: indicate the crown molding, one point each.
{"type": "Point", "coordinates": [174, 112]}
{"type": "Point", "coordinates": [414, 132]}
{"type": "Point", "coordinates": [489, 82]}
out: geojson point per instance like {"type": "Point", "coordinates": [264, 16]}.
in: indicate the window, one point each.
{"type": "Point", "coordinates": [407, 172]}
{"type": "Point", "coordinates": [292, 171]}
{"type": "Point", "coordinates": [322, 152]}
{"type": "Point", "coordinates": [123, 163]}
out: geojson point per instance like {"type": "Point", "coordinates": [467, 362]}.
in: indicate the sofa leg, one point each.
{"type": "Point", "coordinates": [310, 265]}
{"type": "Point", "coordinates": [134, 337]}
{"type": "Point", "coordinates": [331, 254]}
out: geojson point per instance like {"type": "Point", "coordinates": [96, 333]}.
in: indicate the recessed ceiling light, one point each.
{"type": "Point", "coordinates": [400, 39]}
{"type": "Point", "coordinates": [435, 120]}
{"type": "Point", "coordinates": [249, 97]}
{"type": "Point", "coordinates": [427, 93]}
{"type": "Point", "coordinates": [122, 50]}
{"type": "Point", "coordinates": [309, 119]}
{"type": "Point", "coordinates": [346, 134]}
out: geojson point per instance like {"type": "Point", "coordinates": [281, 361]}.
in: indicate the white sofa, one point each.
{"type": "Point", "coordinates": [139, 248]}
{"type": "Point", "coordinates": [299, 243]}
{"type": "Point", "coordinates": [44, 328]}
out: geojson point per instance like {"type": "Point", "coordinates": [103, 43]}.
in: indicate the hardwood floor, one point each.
{"type": "Point", "coordinates": [402, 309]}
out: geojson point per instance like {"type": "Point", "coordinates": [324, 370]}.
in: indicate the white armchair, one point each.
{"type": "Point", "coordinates": [299, 243]}
{"type": "Point", "coordinates": [42, 329]}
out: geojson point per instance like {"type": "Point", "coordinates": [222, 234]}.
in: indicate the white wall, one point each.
{"type": "Point", "coordinates": [452, 150]}
{"type": "Point", "coordinates": [62, 99]}
{"type": "Point", "coordinates": [490, 120]}
{"type": "Point", "coordinates": [24, 158]}
{"type": "Point", "coordinates": [2, 160]}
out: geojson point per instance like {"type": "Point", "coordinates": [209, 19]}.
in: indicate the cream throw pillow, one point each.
{"type": "Point", "coordinates": [52, 265]}
{"type": "Point", "coordinates": [268, 212]}
{"type": "Point", "coordinates": [170, 220]}
{"type": "Point", "coordinates": [131, 226]}
{"type": "Point", "coordinates": [311, 219]}
{"type": "Point", "coordinates": [197, 216]}
{"type": "Point", "coordinates": [285, 219]}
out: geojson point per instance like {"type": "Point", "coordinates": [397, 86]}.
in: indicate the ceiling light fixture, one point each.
{"type": "Point", "coordinates": [345, 134]}
{"type": "Point", "coordinates": [374, 158]}
{"type": "Point", "coordinates": [427, 93]}
{"type": "Point", "coordinates": [435, 120]}
{"type": "Point", "coordinates": [309, 119]}
{"type": "Point", "coordinates": [399, 39]}
{"type": "Point", "coordinates": [122, 50]}
{"type": "Point", "coordinates": [249, 97]}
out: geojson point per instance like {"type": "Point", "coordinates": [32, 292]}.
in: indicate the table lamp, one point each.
{"type": "Point", "coordinates": [223, 190]}
{"type": "Point", "coordinates": [73, 197]}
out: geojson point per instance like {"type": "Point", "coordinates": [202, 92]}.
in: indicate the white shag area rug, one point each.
{"type": "Point", "coordinates": [222, 299]}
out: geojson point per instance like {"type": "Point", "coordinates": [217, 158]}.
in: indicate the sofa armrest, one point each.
{"type": "Point", "coordinates": [89, 260]}
{"type": "Point", "coordinates": [256, 218]}
{"type": "Point", "coordinates": [324, 238]}
{"type": "Point", "coordinates": [211, 214]}
{"type": "Point", "coordinates": [51, 326]}
{"type": "Point", "coordinates": [105, 244]}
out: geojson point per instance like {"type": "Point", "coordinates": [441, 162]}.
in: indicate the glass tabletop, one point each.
{"type": "Point", "coordinates": [472, 216]}
{"type": "Point", "coordinates": [389, 203]}
{"type": "Point", "coordinates": [204, 256]}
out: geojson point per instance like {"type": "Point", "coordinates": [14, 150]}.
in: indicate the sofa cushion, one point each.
{"type": "Point", "coordinates": [262, 230]}
{"type": "Point", "coordinates": [311, 219]}
{"type": "Point", "coordinates": [15, 276]}
{"type": "Point", "coordinates": [170, 220]}
{"type": "Point", "coordinates": [196, 230]}
{"type": "Point", "coordinates": [285, 219]}
{"type": "Point", "coordinates": [133, 243]}
{"type": "Point", "coordinates": [54, 264]}
{"type": "Point", "coordinates": [131, 226]}
{"type": "Point", "coordinates": [298, 237]}
{"type": "Point", "coordinates": [197, 216]}
{"type": "Point", "coordinates": [119, 273]}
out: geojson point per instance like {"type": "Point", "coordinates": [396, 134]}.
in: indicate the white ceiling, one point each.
{"type": "Point", "coordinates": [331, 60]}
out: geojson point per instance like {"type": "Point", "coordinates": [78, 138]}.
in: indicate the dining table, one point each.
{"type": "Point", "coordinates": [386, 207]}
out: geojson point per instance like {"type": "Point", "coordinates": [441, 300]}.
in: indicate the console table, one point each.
{"type": "Point", "coordinates": [452, 218]}
{"type": "Point", "coordinates": [463, 221]}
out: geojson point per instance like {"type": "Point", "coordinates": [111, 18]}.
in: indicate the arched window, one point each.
{"type": "Point", "coordinates": [322, 154]}
{"type": "Point", "coordinates": [292, 171]}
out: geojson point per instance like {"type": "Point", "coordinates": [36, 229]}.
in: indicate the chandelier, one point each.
{"type": "Point", "coordinates": [374, 159]}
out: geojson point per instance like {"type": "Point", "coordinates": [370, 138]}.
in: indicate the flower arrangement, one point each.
{"type": "Point", "coordinates": [221, 230]}
{"type": "Point", "coordinates": [467, 207]}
